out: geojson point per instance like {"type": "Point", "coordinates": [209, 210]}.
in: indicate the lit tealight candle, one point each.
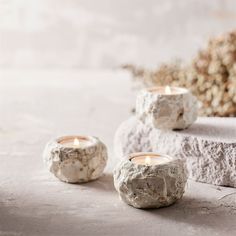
{"type": "Point", "coordinates": [75, 141]}
{"type": "Point", "coordinates": [167, 90]}
{"type": "Point", "coordinates": [150, 180]}
{"type": "Point", "coordinates": [166, 107]}
{"type": "Point", "coordinates": [150, 159]}
{"type": "Point", "coordinates": [76, 159]}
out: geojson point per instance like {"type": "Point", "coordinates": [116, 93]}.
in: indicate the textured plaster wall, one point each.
{"type": "Point", "coordinates": [106, 33]}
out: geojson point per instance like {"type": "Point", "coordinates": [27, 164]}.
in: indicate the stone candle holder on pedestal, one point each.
{"type": "Point", "coordinates": [167, 107]}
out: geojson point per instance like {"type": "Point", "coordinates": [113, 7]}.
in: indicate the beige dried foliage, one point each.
{"type": "Point", "coordinates": [211, 76]}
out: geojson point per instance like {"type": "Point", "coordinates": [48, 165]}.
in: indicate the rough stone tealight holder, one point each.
{"type": "Point", "coordinates": [167, 107]}
{"type": "Point", "coordinates": [150, 180]}
{"type": "Point", "coordinates": [76, 159]}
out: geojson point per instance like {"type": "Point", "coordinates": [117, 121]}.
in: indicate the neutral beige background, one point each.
{"type": "Point", "coordinates": [107, 33]}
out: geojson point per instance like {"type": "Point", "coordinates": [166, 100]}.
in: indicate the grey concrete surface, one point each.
{"type": "Point", "coordinates": [36, 106]}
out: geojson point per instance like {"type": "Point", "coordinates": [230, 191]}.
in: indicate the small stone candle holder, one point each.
{"type": "Point", "coordinates": [167, 107]}
{"type": "Point", "coordinates": [76, 159]}
{"type": "Point", "coordinates": [150, 180]}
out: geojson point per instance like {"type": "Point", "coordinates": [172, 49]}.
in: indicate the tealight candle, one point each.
{"type": "Point", "coordinates": [150, 180]}
{"type": "Point", "coordinates": [150, 159]}
{"type": "Point", "coordinates": [167, 107]}
{"type": "Point", "coordinates": [76, 159]}
{"type": "Point", "coordinates": [75, 142]}
{"type": "Point", "coordinates": [167, 90]}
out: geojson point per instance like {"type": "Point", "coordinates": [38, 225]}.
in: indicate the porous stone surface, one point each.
{"type": "Point", "coordinates": [154, 186]}
{"type": "Point", "coordinates": [172, 111]}
{"type": "Point", "coordinates": [208, 146]}
{"type": "Point", "coordinates": [76, 165]}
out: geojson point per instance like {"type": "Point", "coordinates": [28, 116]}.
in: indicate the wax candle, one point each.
{"type": "Point", "coordinates": [167, 90]}
{"type": "Point", "coordinates": [75, 141]}
{"type": "Point", "coordinates": [150, 159]}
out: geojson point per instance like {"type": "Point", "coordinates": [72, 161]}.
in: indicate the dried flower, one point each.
{"type": "Point", "coordinates": [211, 76]}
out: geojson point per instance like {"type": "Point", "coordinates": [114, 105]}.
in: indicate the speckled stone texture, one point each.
{"type": "Point", "coordinates": [76, 165]}
{"type": "Point", "coordinates": [209, 146]}
{"type": "Point", "coordinates": [172, 111]}
{"type": "Point", "coordinates": [155, 186]}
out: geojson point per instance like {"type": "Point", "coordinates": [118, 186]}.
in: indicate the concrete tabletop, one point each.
{"type": "Point", "coordinates": [36, 106]}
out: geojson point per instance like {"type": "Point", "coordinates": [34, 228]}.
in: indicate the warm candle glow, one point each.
{"type": "Point", "coordinates": [167, 90]}
{"type": "Point", "coordinates": [147, 160]}
{"type": "Point", "coordinates": [76, 142]}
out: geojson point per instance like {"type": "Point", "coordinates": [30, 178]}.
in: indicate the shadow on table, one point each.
{"type": "Point", "coordinates": [27, 221]}
{"type": "Point", "coordinates": [198, 212]}
{"type": "Point", "coordinates": [104, 183]}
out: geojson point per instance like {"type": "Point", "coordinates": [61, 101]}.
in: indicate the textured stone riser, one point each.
{"type": "Point", "coordinates": [210, 156]}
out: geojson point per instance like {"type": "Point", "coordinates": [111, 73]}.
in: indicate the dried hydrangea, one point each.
{"type": "Point", "coordinates": [211, 76]}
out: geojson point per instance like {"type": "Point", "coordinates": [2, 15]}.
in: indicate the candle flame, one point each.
{"type": "Point", "coordinates": [167, 90]}
{"type": "Point", "coordinates": [76, 142]}
{"type": "Point", "coordinates": [147, 160]}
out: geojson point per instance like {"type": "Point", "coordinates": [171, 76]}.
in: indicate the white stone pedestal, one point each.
{"type": "Point", "coordinates": [209, 146]}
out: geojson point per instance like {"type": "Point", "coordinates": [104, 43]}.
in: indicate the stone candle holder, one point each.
{"type": "Point", "coordinates": [167, 107]}
{"type": "Point", "coordinates": [78, 162]}
{"type": "Point", "coordinates": [150, 186]}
